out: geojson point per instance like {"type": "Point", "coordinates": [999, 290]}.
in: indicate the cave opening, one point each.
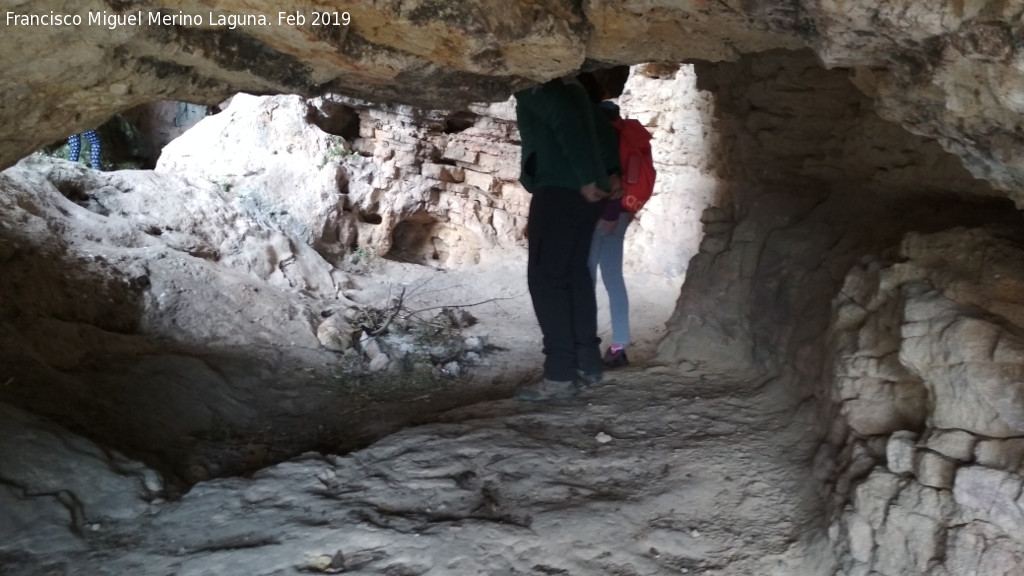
{"type": "Point", "coordinates": [341, 199]}
{"type": "Point", "coordinates": [799, 231]}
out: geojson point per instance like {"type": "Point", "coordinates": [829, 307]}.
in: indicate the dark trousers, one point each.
{"type": "Point", "coordinates": [560, 229]}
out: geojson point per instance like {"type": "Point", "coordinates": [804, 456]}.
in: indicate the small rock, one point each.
{"type": "Point", "coordinates": [899, 452]}
{"type": "Point", "coordinates": [862, 538]}
{"type": "Point", "coordinates": [603, 438]}
{"type": "Point", "coordinates": [397, 363]}
{"type": "Point", "coordinates": [334, 334]}
{"type": "Point", "coordinates": [380, 362]}
{"type": "Point", "coordinates": [955, 444]}
{"type": "Point", "coordinates": [198, 473]}
{"type": "Point", "coordinates": [474, 343]}
{"type": "Point", "coordinates": [1006, 454]}
{"type": "Point", "coordinates": [373, 349]}
{"type": "Point", "coordinates": [935, 470]}
{"type": "Point", "coordinates": [452, 369]}
{"type": "Point", "coordinates": [152, 481]}
{"type": "Point", "coordinates": [320, 563]}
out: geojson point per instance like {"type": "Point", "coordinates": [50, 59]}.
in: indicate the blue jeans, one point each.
{"type": "Point", "coordinates": [606, 253]}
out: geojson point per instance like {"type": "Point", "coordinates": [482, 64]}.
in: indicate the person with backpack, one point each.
{"type": "Point", "coordinates": [568, 152]}
{"type": "Point", "coordinates": [606, 247]}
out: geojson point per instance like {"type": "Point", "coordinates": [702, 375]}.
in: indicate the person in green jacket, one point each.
{"type": "Point", "coordinates": [569, 162]}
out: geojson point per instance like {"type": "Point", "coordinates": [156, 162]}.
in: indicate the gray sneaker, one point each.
{"type": "Point", "coordinates": [547, 390]}
{"type": "Point", "coordinates": [585, 380]}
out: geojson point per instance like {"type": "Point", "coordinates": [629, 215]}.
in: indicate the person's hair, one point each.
{"type": "Point", "coordinates": [595, 91]}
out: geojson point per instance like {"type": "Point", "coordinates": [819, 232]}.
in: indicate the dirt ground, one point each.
{"type": "Point", "coordinates": [338, 413]}
{"type": "Point", "coordinates": [322, 407]}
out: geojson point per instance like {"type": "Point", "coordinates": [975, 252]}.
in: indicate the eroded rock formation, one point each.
{"type": "Point", "coordinates": [913, 352]}
{"type": "Point", "coordinates": [847, 265]}
{"type": "Point", "coordinates": [920, 61]}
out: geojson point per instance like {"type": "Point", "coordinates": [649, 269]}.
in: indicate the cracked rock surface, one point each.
{"type": "Point", "coordinates": [706, 474]}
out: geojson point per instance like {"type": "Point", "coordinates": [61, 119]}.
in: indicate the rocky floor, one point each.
{"type": "Point", "coordinates": [649, 474]}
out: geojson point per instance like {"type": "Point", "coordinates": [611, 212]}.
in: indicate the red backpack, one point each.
{"type": "Point", "coordinates": [638, 171]}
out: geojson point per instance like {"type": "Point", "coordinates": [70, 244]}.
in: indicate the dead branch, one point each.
{"type": "Point", "coordinates": [391, 317]}
{"type": "Point", "coordinates": [489, 300]}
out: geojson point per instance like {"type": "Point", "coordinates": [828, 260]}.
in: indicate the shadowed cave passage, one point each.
{"type": "Point", "coordinates": [803, 184]}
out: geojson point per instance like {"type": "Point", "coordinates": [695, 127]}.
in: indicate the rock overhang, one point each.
{"type": "Point", "coordinates": [929, 60]}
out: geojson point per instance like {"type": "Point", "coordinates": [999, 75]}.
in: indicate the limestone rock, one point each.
{"type": "Point", "coordinates": [934, 470]}
{"type": "Point", "coordinates": [979, 548]}
{"type": "Point", "coordinates": [912, 537]}
{"type": "Point", "coordinates": [379, 363]}
{"type": "Point", "coordinates": [1002, 454]}
{"type": "Point", "coordinates": [667, 232]}
{"type": "Point", "coordinates": [335, 334]}
{"type": "Point", "coordinates": [862, 541]}
{"type": "Point", "coordinates": [500, 486]}
{"type": "Point", "coordinates": [197, 267]}
{"type": "Point", "coordinates": [271, 164]}
{"type": "Point", "coordinates": [908, 543]}
{"type": "Point", "coordinates": [951, 305]}
{"type": "Point", "coordinates": [991, 496]}
{"type": "Point", "coordinates": [54, 484]}
{"type": "Point", "coordinates": [435, 187]}
{"type": "Point", "coordinates": [872, 496]}
{"type": "Point", "coordinates": [901, 451]}
{"type": "Point", "coordinates": [373, 348]}
{"type": "Point", "coordinates": [956, 444]}
{"type": "Point", "coordinates": [975, 381]}
{"type": "Point", "coordinates": [919, 63]}
{"type": "Point", "coordinates": [426, 186]}
{"type": "Point", "coordinates": [770, 139]}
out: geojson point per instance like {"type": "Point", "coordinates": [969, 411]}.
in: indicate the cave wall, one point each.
{"type": "Point", "coordinates": [667, 232]}
{"type": "Point", "coordinates": [798, 153]}
{"type": "Point", "coordinates": [437, 187]}
{"type": "Point", "coordinates": [924, 455]}
{"type": "Point", "coordinates": [351, 178]}
{"type": "Point", "coordinates": [852, 264]}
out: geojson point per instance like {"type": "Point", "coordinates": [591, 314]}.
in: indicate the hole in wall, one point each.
{"type": "Point", "coordinates": [459, 122]}
{"type": "Point", "coordinates": [410, 240]}
{"type": "Point", "coordinates": [333, 118]}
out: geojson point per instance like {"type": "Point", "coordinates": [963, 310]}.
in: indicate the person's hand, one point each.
{"type": "Point", "coordinates": [606, 227]}
{"type": "Point", "coordinates": [591, 193]}
{"type": "Point", "coordinates": [615, 186]}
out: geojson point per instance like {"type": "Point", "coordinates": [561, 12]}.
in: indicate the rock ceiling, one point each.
{"type": "Point", "coordinates": [948, 69]}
